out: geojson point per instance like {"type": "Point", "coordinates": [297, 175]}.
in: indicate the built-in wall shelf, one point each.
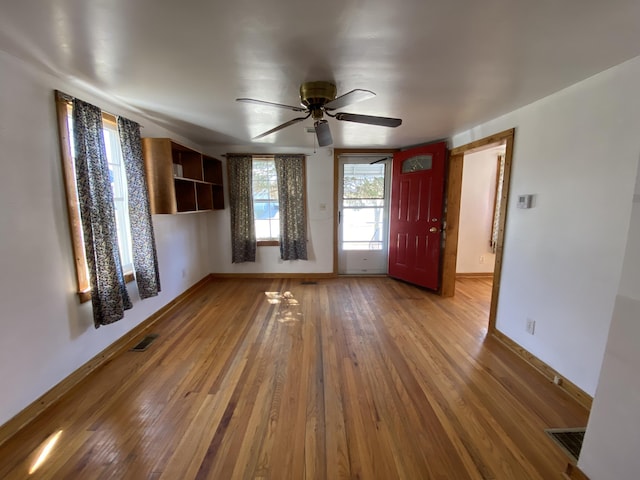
{"type": "Point", "coordinates": [180, 179]}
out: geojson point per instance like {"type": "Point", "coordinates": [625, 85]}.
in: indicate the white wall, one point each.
{"type": "Point", "coordinates": [577, 152]}
{"type": "Point", "coordinates": [476, 211]}
{"type": "Point", "coordinates": [319, 171]}
{"type": "Point", "coordinates": [45, 333]}
{"type": "Point", "coordinates": [610, 447]}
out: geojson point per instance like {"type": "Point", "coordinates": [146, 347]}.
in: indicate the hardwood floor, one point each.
{"type": "Point", "coordinates": [365, 378]}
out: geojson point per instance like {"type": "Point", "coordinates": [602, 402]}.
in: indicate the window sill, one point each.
{"type": "Point", "coordinates": [268, 243]}
{"type": "Point", "coordinates": [85, 295]}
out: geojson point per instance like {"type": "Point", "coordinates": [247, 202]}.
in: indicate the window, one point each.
{"type": "Point", "coordinates": [267, 205]}
{"type": "Point", "coordinates": [118, 184]}
{"type": "Point", "coordinates": [266, 209]}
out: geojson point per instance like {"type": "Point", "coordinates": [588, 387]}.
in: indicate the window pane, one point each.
{"type": "Point", "coordinates": [417, 163]}
{"type": "Point", "coordinates": [265, 185]}
{"type": "Point", "coordinates": [120, 200]}
{"type": "Point", "coordinates": [362, 225]}
{"type": "Point", "coordinates": [266, 210]}
{"type": "Point", "coordinates": [362, 180]}
{"type": "Point", "coordinates": [263, 210]}
{"type": "Point", "coordinates": [263, 229]}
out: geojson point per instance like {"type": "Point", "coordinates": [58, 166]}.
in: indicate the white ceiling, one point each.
{"type": "Point", "coordinates": [441, 65]}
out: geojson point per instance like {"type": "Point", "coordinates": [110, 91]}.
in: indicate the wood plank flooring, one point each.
{"type": "Point", "coordinates": [361, 378]}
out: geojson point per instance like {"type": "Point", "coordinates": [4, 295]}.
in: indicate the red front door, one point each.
{"type": "Point", "coordinates": [415, 228]}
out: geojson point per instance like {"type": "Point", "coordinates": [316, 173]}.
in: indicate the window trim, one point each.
{"type": "Point", "coordinates": [268, 243]}
{"type": "Point", "coordinates": [73, 204]}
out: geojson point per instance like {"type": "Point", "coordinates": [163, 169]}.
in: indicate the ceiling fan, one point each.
{"type": "Point", "coordinates": [318, 98]}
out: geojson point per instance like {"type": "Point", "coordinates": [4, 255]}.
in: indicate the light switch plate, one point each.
{"type": "Point", "coordinates": [525, 201]}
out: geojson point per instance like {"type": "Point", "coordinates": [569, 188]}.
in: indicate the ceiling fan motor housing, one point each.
{"type": "Point", "coordinates": [314, 95]}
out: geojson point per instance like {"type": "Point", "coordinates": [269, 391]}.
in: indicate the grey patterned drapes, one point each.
{"type": "Point", "coordinates": [109, 295]}
{"type": "Point", "coordinates": [293, 222]}
{"type": "Point", "coordinates": [243, 234]}
{"type": "Point", "coordinates": [145, 257]}
{"type": "Point", "coordinates": [497, 205]}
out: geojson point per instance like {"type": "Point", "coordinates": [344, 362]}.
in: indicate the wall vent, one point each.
{"type": "Point", "coordinates": [145, 343]}
{"type": "Point", "coordinates": [569, 439]}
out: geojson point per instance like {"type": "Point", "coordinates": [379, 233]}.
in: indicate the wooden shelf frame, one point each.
{"type": "Point", "coordinates": [197, 188]}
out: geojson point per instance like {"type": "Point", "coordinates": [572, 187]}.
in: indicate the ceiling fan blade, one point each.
{"type": "Point", "coordinates": [280, 127]}
{"type": "Point", "coordinates": [348, 98]}
{"type": "Point", "coordinates": [368, 119]}
{"type": "Point", "coordinates": [323, 133]}
{"type": "Point", "coordinates": [271, 104]}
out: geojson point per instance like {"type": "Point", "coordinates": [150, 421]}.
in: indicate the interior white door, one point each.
{"type": "Point", "coordinates": [363, 210]}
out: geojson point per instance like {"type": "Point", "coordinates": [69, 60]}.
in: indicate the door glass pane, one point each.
{"type": "Point", "coordinates": [363, 202]}
{"type": "Point", "coordinates": [362, 228]}
{"type": "Point", "coordinates": [417, 163]}
{"type": "Point", "coordinates": [361, 180]}
{"type": "Point", "coordinates": [363, 206]}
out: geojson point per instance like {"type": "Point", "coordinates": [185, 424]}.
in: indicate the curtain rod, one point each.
{"type": "Point", "coordinates": [262, 154]}
{"type": "Point", "coordinates": [65, 97]}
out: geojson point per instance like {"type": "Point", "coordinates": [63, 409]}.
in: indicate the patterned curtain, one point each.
{"type": "Point", "coordinates": [145, 258]}
{"type": "Point", "coordinates": [243, 233]}
{"type": "Point", "coordinates": [497, 204]}
{"type": "Point", "coordinates": [109, 295]}
{"type": "Point", "coordinates": [293, 222]}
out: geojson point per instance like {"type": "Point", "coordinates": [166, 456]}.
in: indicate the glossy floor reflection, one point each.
{"type": "Point", "coordinates": [288, 308]}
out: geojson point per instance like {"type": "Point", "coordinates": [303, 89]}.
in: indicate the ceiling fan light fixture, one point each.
{"type": "Point", "coordinates": [323, 133]}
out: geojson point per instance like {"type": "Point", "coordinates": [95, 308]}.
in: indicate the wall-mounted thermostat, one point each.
{"type": "Point", "coordinates": [525, 201]}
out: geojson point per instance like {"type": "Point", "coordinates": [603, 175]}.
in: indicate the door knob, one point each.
{"type": "Point", "coordinates": [433, 229]}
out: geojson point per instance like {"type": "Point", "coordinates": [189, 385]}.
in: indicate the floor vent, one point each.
{"type": "Point", "coordinates": [144, 343]}
{"type": "Point", "coordinates": [569, 439]}
{"type": "Point", "coordinates": [308, 282]}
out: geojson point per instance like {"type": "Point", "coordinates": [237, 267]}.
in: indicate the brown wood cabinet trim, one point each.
{"type": "Point", "coordinates": [165, 196]}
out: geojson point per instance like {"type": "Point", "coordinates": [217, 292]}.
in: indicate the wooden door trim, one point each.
{"type": "Point", "coordinates": [453, 195]}
{"type": "Point", "coordinates": [336, 178]}
{"type": "Point", "coordinates": [572, 472]}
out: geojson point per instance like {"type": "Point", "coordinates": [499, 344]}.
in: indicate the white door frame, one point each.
{"type": "Point", "coordinates": [364, 261]}
{"type": "Point", "coordinates": [336, 183]}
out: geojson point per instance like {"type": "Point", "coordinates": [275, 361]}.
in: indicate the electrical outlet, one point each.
{"type": "Point", "coordinates": [481, 260]}
{"type": "Point", "coordinates": [531, 326]}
